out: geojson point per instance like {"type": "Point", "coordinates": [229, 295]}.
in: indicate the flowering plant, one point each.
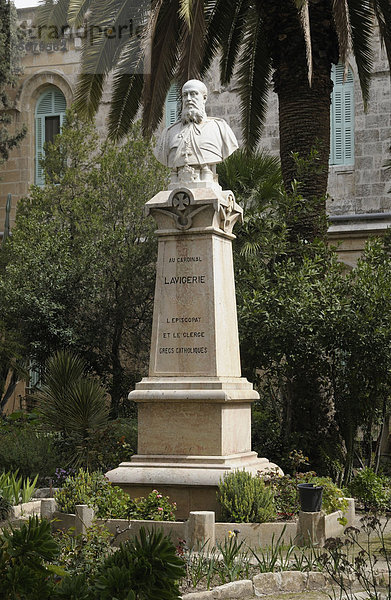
{"type": "Point", "coordinates": [155, 507]}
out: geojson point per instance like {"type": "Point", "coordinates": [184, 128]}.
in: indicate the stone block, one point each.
{"type": "Point", "coordinates": [234, 590]}
{"type": "Point", "coordinates": [364, 162]}
{"type": "Point", "coordinates": [293, 581]}
{"type": "Point", "coordinates": [48, 507]}
{"type": "Point", "coordinates": [84, 518]}
{"type": "Point", "coordinates": [201, 528]}
{"type": "Point", "coordinates": [371, 135]}
{"type": "Point", "coordinates": [311, 528]}
{"type": "Point", "coordinates": [316, 581]}
{"type": "Point", "coordinates": [267, 583]}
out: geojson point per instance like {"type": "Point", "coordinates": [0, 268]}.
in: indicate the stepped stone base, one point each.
{"type": "Point", "coordinates": [191, 482]}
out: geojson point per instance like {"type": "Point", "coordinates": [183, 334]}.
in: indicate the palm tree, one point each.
{"type": "Point", "coordinates": [292, 42]}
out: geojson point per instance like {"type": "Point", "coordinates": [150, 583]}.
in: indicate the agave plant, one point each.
{"type": "Point", "coordinates": [72, 402]}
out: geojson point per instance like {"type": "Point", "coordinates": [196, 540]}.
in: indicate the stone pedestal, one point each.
{"type": "Point", "coordinates": [194, 408]}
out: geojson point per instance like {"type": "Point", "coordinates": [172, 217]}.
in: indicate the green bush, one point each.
{"type": "Point", "coordinates": [333, 497]}
{"type": "Point", "coordinates": [286, 495]}
{"type": "Point", "coordinates": [109, 501]}
{"type": "Point", "coordinates": [244, 498]}
{"type": "Point", "coordinates": [93, 489]}
{"type": "Point", "coordinates": [28, 450]}
{"type": "Point", "coordinates": [155, 506]}
{"type": "Point", "coordinates": [371, 489]}
{"type": "Point", "coordinates": [84, 554]}
{"type": "Point", "coordinates": [143, 568]}
{"type": "Point", "coordinates": [113, 444]}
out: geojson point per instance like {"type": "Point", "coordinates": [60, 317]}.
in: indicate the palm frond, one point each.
{"type": "Point", "coordinates": [89, 93]}
{"type": "Point", "coordinates": [244, 171]}
{"type": "Point", "coordinates": [342, 27]}
{"type": "Point", "coordinates": [77, 11]}
{"type": "Point", "coordinates": [231, 42]}
{"type": "Point", "coordinates": [186, 11]}
{"type": "Point", "coordinates": [215, 10]}
{"type": "Point", "coordinates": [165, 30]}
{"type": "Point", "coordinates": [192, 42]}
{"type": "Point", "coordinates": [102, 52]}
{"type": "Point", "coordinates": [253, 80]}
{"type": "Point", "coordinates": [218, 22]}
{"type": "Point", "coordinates": [361, 18]}
{"type": "Point", "coordinates": [127, 89]}
{"type": "Point", "coordinates": [382, 10]}
{"type": "Point", "coordinates": [50, 14]}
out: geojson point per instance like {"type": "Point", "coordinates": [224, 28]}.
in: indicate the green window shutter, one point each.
{"type": "Point", "coordinates": [51, 103]}
{"type": "Point", "coordinates": [39, 141]}
{"type": "Point", "coordinates": [342, 117]}
{"type": "Point", "coordinates": [173, 104]}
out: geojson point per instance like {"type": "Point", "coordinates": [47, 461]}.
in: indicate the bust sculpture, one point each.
{"type": "Point", "coordinates": [194, 145]}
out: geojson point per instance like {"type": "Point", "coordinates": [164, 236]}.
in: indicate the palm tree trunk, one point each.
{"type": "Point", "coordinates": [304, 109]}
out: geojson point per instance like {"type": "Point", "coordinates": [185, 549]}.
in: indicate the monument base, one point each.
{"type": "Point", "coordinates": [208, 435]}
{"type": "Point", "coordinates": [191, 482]}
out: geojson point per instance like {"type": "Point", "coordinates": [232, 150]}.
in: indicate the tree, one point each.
{"type": "Point", "coordinates": [79, 270]}
{"type": "Point", "coordinates": [8, 77]}
{"type": "Point", "coordinates": [296, 40]}
{"type": "Point", "coordinates": [315, 340]}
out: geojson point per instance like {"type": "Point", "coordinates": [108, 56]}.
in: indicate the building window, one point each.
{"type": "Point", "coordinates": [173, 105]}
{"type": "Point", "coordinates": [342, 117]}
{"type": "Point", "coordinates": [49, 116]}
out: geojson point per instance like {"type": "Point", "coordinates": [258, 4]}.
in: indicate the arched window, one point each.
{"type": "Point", "coordinates": [49, 115]}
{"type": "Point", "coordinates": [342, 117]}
{"type": "Point", "coordinates": [173, 105]}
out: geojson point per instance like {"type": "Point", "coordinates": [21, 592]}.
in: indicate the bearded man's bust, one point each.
{"type": "Point", "coordinates": [194, 145]}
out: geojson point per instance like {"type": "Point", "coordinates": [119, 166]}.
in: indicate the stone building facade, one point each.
{"type": "Point", "coordinates": [359, 203]}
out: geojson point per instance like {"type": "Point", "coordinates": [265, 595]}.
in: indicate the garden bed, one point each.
{"type": "Point", "coordinates": [201, 526]}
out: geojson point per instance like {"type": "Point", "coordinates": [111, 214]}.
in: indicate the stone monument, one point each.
{"type": "Point", "coordinates": [194, 408]}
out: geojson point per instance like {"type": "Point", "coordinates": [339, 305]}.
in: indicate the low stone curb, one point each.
{"type": "Point", "coordinates": [264, 584]}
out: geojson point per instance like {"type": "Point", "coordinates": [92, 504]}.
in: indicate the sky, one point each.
{"type": "Point", "coordinates": [24, 3]}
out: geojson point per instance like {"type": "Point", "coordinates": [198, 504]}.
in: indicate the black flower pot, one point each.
{"type": "Point", "coordinates": [310, 497]}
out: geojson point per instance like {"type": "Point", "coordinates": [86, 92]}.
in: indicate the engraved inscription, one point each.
{"type": "Point", "coordinates": [184, 326]}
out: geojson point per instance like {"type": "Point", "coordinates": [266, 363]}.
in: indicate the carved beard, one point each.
{"type": "Point", "coordinates": [192, 115]}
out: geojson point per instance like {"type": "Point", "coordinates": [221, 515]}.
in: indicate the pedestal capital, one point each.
{"type": "Point", "coordinates": [189, 210]}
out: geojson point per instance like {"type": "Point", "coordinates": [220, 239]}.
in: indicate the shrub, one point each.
{"type": "Point", "coordinates": [370, 489]}
{"type": "Point", "coordinates": [286, 494]}
{"type": "Point", "coordinates": [333, 497]}
{"type": "Point", "coordinates": [155, 506]}
{"type": "Point", "coordinates": [144, 567]}
{"type": "Point", "coordinates": [84, 554]}
{"type": "Point", "coordinates": [93, 489]}
{"type": "Point", "coordinates": [26, 449]}
{"type": "Point", "coordinates": [286, 497]}
{"type": "Point", "coordinates": [109, 501]}
{"type": "Point", "coordinates": [73, 403]}
{"type": "Point", "coordinates": [244, 497]}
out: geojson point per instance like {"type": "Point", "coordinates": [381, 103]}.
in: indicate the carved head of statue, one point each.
{"type": "Point", "coordinates": [194, 94]}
